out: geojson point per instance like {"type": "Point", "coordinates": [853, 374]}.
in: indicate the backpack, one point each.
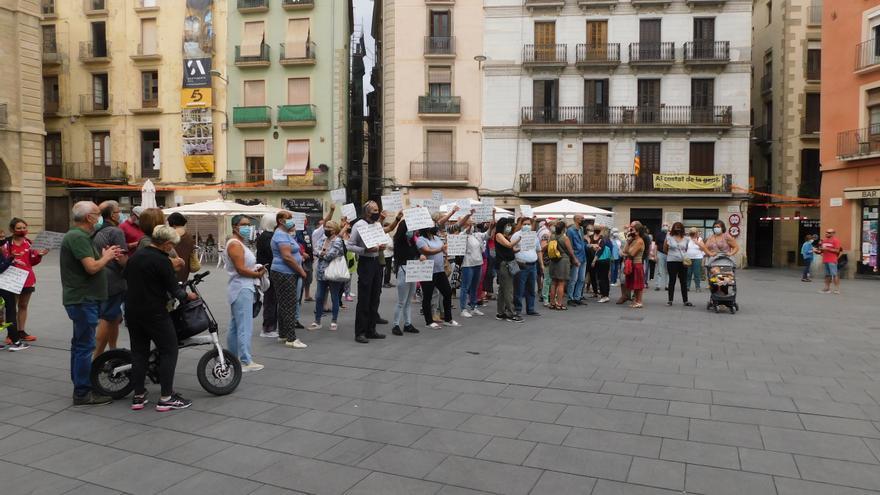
{"type": "Point", "coordinates": [553, 251]}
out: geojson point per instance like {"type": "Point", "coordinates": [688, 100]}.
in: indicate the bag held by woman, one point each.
{"type": "Point", "coordinates": [337, 270]}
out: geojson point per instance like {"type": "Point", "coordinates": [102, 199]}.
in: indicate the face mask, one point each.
{"type": "Point", "coordinates": [664, 229]}
{"type": "Point", "coordinates": [99, 223]}
{"type": "Point", "coordinates": [246, 231]}
{"type": "Point", "coordinates": [507, 230]}
{"type": "Point", "coordinates": [289, 223]}
{"type": "Point", "coordinates": [374, 217]}
{"type": "Point", "coordinates": [21, 233]}
{"type": "Point", "coordinates": [717, 230]}
{"type": "Point", "coordinates": [526, 228]}
{"type": "Point", "coordinates": [410, 234]}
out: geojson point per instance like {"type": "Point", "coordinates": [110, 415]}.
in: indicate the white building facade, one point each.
{"type": "Point", "coordinates": [574, 88]}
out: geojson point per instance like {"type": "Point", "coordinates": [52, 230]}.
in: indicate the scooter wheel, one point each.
{"type": "Point", "coordinates": [216, 378]}
{"type": "Point", "coordinates": [105, 381]}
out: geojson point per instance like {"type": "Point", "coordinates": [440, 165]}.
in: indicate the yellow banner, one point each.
{"type": "Point", "coordinates": [195, 97]}
{"type": "Point", "coordinates": [685, 181]}
{"type": "Point", "coordinates": [199, 164]}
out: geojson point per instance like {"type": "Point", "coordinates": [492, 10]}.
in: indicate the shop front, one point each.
{"type": "Point", "coordinates": [867, 201]}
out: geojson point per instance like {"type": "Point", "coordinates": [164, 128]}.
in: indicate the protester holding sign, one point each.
{"type": "Point", "coordinates": [285, 275]}
{"type": "Point", "coordinates": [471, 269]}
{"type": "Point", "coordinates": [331, 249]}
{"type": "Point", "coordinates": [26, 257]}
{"type": "Point", "coordinates": [528, 260]}
{"type": "Point", "coordinates": [369, 272]}
{"type": "Point", "coordinates": [405, 250]}
{"type": "Point", "coordinates": [432, 246]}
{"type": "Point", "coordinates": [505, 263]}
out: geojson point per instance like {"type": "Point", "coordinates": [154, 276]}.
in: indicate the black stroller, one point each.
{"type": "Point", "coordinates": [721, 275]}
{"type": "Point", "coordinates": [219, 371]}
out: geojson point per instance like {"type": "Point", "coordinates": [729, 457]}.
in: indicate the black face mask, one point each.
{"type": "Point", "coordinates": [374, 217]}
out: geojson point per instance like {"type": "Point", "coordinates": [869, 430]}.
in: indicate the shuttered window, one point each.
{"type": "Point", "coordinates": [544, 159]}
{"type": "Point", "coordinates": [254, 148]}
{"type": "Point", "coordinates": [440, 81]}
{"type": "Point", "coordinates": [702, 160]}
{"type": "Point", "coordinates": [252, 43]}
{"type": "Point", "coordinates": [297, 38]}
{"type": "Point", "coordinates": [439, 147]}
{"type": "Point", "coordinates": [149, 36]}
{"type": "Point", "coordinates": [298, 91]}
{"type": "Point", "coordinates": [595, 167]}
{"type": "Point", "coordinates": [649, 154]}
{"type": "Point", "coordinates": [255, 93]}
{"type": "Point", "coordinates": [297, 161]}
{"type": "Point", "coordinates": [702, 93]}
{"type": "Point", "coordinates": [811, 123]}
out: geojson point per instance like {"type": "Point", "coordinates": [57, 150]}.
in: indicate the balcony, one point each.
{"type": "Point", "coordinates": [4, 118]}
{"type": "Point", "coordinates": [668, 116]}
{"type": "Point", "coordinates": [601, 56]}
{"type": "Point", "coordinates": [763, 135]}
{"type": "Point", "coordinates": [259, 60]}
{"type": "Point", "coordinates": [51, 56]}
{"type": "Point", "coordinates": [288, 58]}
{"type": "Point", "coordinates": [147, 107]}
{"type": "Point", "coordinates": [54, 169]}
{"type": "Point", "coordinates": [609, 185]}
{"type": "Point", "coordinates": [89, 105]}
{"type": "Point", "coordinates": [545, 56]}
{"type": "Point", "coordinates": [859, 144]}
{"type": "Point", "coordinates": [704, 3]}
{"type": "Point", "coordinates": [439, 106]}
{"type": "Point", "coordinates": [298, 4]}
{"type": "Point", "coordinates": [95, 7]}
{"type": "Point", "coordinates": [766, 84]}
{"type": "Point", "coordinates": [47, 8]}
{"type": "Point", "coordinates": [51, 108]}
{"type": "Point", "coordinates": [94, 53]}
{"type": "Point", "coordinates": [438, 172]}
{"type": "Point", "coordinates": [439, 2]}
{"type": "Point", "coordinates": [809, 128]}
{"type": "Point", "coordinates": [439, 47]}
{"type": "Point", "coordinates": [814, 15]}
{"type": "Point", "coordinates": [95, 171]}
{"type": "Point", "coordinates": [652, 54]}
{"type": "Point", "coordinates": [252, 6]}
{"type": "Point", "coordinates": [650, 3]}
{"type": "Point", "coordinates": [868, 55]}
{"type": "Point", "coordinates": [544, 4]}
{"type": "Point", "coordinates": [149, 55]}
{"type": "Point", "coordinates": [313, 180]}
{"type": "Point", "coordinates": [248, 117]}
{"type": "Point", "coordinates": [296, 115]}
{"type": "Point", "coordinates": [146, 5]}
{"type": "Point", "coordinates": [597, 4]}
{"type": "Point", "coordinates": [706, 52]}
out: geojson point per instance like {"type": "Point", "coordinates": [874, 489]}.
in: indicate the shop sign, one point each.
{"type": "Point", "coordinates": [862, 194]}
{"type": "Point", "coordinates": [195, 98]}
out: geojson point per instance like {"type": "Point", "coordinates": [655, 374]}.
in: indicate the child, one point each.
{"type": "Point", "coordinates": [719, 281]}
{"type": "Point", "coordinates": [807, 254]}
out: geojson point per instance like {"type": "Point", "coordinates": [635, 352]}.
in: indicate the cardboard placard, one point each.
{"type": "Point", "coordinates": [526, 211]}
{"type": "Point", "coordinates": [419, 271]}
{"type": "Point", "coordinates": [48, 240]}
{"type": "Point", "coordinates": [437, 195]}
{"type": "Point", "coordinates": [372, 234]}
{"type": "Point", "coordinates": [392, 202]}
{"type": "Point", "coordinates": [483, 213]}
{"type": "Point", "coordinates": [488, 201]}
{"type": "Point", "coordinates": [299, 220]}
{"type": "Point", "coordinates": [604, 221]}
{"type": "Point", "coordinates": [338, 196]}
{"type": "Point", "coordinates": [456, 245]}
{"type": "Point", "coordinates": [349, 212]}
{"type": "Point", "coordinates": [418, 218]}
{"type": "Point", "coordinates": [528, 241]}
{"type": "Point", "coordinates": [13, 279]}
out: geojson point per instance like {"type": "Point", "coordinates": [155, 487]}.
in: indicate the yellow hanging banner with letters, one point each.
{"type": "Point", "coordinates": [686, 181]}
{"type": "Point", "coordinates": [196, 98]}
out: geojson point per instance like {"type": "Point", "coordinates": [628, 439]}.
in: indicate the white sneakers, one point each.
{"type": "Point", "coordinates": [451, 323]}
{"type": "Point", "coordinates": [269, 335]}
{"type": "Point", "coordinates": [296, 344]}
{"type": "Point", "coordinates": [466, 314]}
{"type": "Point", "coordinates": [604, 300]}
{"type": "Point", "coordinates": [435, 326]}
{"type": "Point", "coordinates": [477, 312]}
{"type": "Point", "coordinates": [333, 327]}
{"type": "Point", "coordinates": [314, 326]}
{"type": "Point", "coordinates": [252, 366]}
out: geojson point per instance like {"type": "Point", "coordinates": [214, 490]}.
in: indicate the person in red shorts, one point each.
{"type": "Point", "coordinates": [830, 250]}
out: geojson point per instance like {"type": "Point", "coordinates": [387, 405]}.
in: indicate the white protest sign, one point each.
{"type": "Point", "coordinates": [12, 280]}
{"type": "Point", "coordinates": [47, 240]}
{"type": "Point", "coordinates": [349, 212]}
{"type": "Point", "coordinates": [483, 213]}
{"type": "Point", "coordinates": [372, 234]}
{"type": "Point", "coordinates": [392, 202]}
{"type": "Point", "coordinates": [299, 220]}
{"type": "Point", "coordinates": [419, 271]}
{"type": "Point", "coordinates": [437, 195]}
{"type": "Point", "coordinates": [432, 205]}
{"type": "Point", "coordinates": [488, 201]}
{"type": "Point", "coordinates": [525, 211]}
{"type": "Point", "coordinates": [456, 245]}
{"type": "Point", "coordinates": [528, 241]}
{"type": "Point", "coordinates": [417, 218]}
{"type": "Point", "coordinates": [604, 221]}
{"type": "Point", "coordinates": [338, 196]}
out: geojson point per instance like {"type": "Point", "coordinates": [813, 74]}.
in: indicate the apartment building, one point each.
{"type": "Point", "coordinates": [431, 83]}
{"type": "Point", "coordinates": [786, 103]}
{"type": "Point", "coordinates": [850, 127]}
{"type": "Point", "coordinates": [288, 79]}
{"type": "Point", "coordinates": [577, 89]}
{"type": "Point", "coordinates": [21, 120]}
{"type": "Point", "coordinates": [115, 106]}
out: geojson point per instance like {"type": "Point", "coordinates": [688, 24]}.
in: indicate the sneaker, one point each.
{"type": "Point", "coordinates": [805, 280]}
{"type": "Point", "coordinates": [410, 329]}
{"type": "Point", "coordinates": [837, 292]}
{"type": "Point", "coordinates": [825, 291]}
{"type": "Point", "coordinates": [477, 312]}
{"type": "Point", "coordinates": [91, 399]}
{"type": "Point", "coordinates": [281, 339]}
{"type": "Point", "coordinates": [251, 366]}
{"type": "Point", "coordinates": [333, 326]}
{"type": "Point", "coordinates": [296, 344]}
{"type": "Point", "coordinates": [500, 317]}
{"type": "Point", "coordinates": [397, 331]}
{"type": "Point", "coordinates": [604, 300]}
{"type": "Point", "coordinates": [516, 319]}
{"type": "Point", "coordinates": [533, 313]}
{"type": "Point", "coordinates": [615, 284]}
{"type": "Point", "coordinates": [451, 323]}
{"type": "Point", "coordinates": [269, 335]}
{"type": "Point", "coordinates": [139, 401]}
{"type": "Point", "coordinates": [314, 326]}
{"type": "Point", "coordinates": [27, 337]}
{"type": "Point", "coordinates": [435, 326]}
{"type": "Point", "coordinates": [176, 401]}
{"type": "Point", "coordinates": [18, 346]}
{"type": "Point", "coordinates": [466, 314]}
{"type": "Point", "coordinates": [299, 326]}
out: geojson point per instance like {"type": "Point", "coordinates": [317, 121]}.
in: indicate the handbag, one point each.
{"type": "Point", "coordinates": [628, 266]}
{"type": "Point", "coordinates": [190, 318]}
{"type": "Point", "coordinates": [258, 303]}
{"type": "Point", "coordinates": [337, 270]}
{"type": "Point", "coordinates": [513, 268]}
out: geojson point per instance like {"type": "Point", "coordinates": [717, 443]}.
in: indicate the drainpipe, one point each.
{"type": "Point", "coordinates": [333, 86]}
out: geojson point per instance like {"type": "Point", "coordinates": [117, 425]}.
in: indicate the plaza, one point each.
{"type": "Point", "coordinates": [781, 398]}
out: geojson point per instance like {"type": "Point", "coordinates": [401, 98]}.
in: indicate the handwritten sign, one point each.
{"type": "Point", "coordinates": [456, 245]}
{"type": "Point", "coordinates": [48, 240]}
{"type": "Point", "coordinates": [437, 195]}
{"type": "Point", "coordinates": [349, 212]}
{"type": "Point", "coordinates": [338, 196]}
{"type": "Point", "coordinates": [419, 271]}
{"type": "Point", "coordinates": [488, 201]}
{"type": "Point", "coordinates": [392, 202]}
{"type": "Point", "coordinates": [418, 218]}
{"type": "Point", "coordinates": [13, 279]}
{"type": "Point", "coordinates": [483, 213]}
{"type": "Point", "coordinates": [372, 234]}
{"type": "Point", "coordinates": [529, 241]}
{"type": "Point", "coordinates": [526, 211]}
{"type": "Point", "coordinates": [604, 221]}
{"type": "Point", "coordinates": [299, 220]}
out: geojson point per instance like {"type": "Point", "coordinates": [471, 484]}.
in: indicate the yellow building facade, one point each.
{"type": "Point", "coordinates": [115, 107]}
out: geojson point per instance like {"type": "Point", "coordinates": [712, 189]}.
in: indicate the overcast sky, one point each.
{"type": "Point", "coordinates": [363, 14]}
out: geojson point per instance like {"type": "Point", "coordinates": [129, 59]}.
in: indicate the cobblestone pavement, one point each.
{"type": "Point", "coordinates": [782, 398]}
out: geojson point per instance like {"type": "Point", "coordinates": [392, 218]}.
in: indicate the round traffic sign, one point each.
{"type": "Point", "coordinates": [734, 231]}
{"type": "Point", "coordinates": [734, 219]}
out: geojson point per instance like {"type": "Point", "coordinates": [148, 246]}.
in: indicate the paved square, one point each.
{"type": "Point", "coordinates": [781, 398]}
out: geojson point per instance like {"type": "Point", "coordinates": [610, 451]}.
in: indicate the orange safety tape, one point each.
{"type": "Point", "coordinates": [770, 195]}
{"type": "Point", "coordinates": [98, 185]}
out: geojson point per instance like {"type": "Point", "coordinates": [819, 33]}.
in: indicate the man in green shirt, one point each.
{"type": "Point", "coordinates": [84, 286]}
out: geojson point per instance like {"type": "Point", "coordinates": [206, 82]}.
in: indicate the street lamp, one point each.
{"type": "Point", "coordinates": [219, 75]}
{"type": "Point", "coordinates": [480, 59]}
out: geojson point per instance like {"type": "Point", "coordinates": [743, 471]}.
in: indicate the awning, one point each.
{"type": "Point", "coordinates": [297, 158]}
{"type": "Point", "coordinates": [297, 38]}
{"type": "Point", "coordinates": [252, 43]}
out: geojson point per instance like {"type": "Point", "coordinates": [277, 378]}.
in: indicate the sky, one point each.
{"type": "Point", "coordinates": [363, 14]}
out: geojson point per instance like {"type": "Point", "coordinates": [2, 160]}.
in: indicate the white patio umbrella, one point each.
{"type": "Point", "coordinates": [148, 195]}
{"type": "Point", "coordinates": [221, 207]}
{"type": "Point", "coordinates": [567, 207]}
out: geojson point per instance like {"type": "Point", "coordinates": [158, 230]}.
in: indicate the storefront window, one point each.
{"type": "Point", "coordinates": [870, 213]}
{"type": "Point", "coordinates": [702, 219]}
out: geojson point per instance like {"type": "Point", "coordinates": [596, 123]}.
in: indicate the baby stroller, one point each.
{"type": "Point", "coordinates": [721, 275]}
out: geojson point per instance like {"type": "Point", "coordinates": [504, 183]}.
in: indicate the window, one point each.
{"type": "Point", "coordinates": [255, 93]}
{"type": "Point", "coordinates": [439, 146]}
{"type": "Point", "coordinates": [149, 45]}
{"type": "Point", "coordinates": [440, 24]}
{"type": "Point", "coordinates": [254, 160]}
{"type": "Point", "coordinates": [544, 166]}
{"type": "Point", "coordinates": [649, 160]}
{"type": "Point", "coordinates": [53, 156]}
{"type": "Point", "coordinates": [595, 167]}
{"type": "Point", "coordinates": [704, 38]}
{"type": "Point", "coordinates": [811, 113]}
{"type": "Point", "coordinates": [648, 98]}
{"type": "Point", "coordinates": [100, 92]}
{"type": "Point", "coordinates": [440, 81]}
{"type": "Point", "coordinates": [150, 158]}
{"type": "Point", "coordinates": [702, 160]}
{"type": "Point", "coordinates": [49, 39]}
{"type": "Point", "coordinates": [252, 43]}
{"type": "Point", "coordinates": [701, 218]}
{"type": "Point", "coordinates": [811, 175]}
{"type": "Point", "coordinates": [101, 149]}
{"type": "Point", "coordinates": [298, 91]}
{"type": "Point", "coordinates": [768, 118]}
{"type": "Point", "coordinates": [873, 103]}
{"type": "Point", "coordinates": [596, 101]}
{"type": "Point", "coordinates": [51, 94]}
{"type": "Point", "coordinates": [545, 41]}
{"type": "Point", "coordinates": [769, 12]}
{"type": "Point", "coordinates": [297, 160]}
{"type": "Point", "coordinates": [297, 38]}
{"type": "Point", "coordinates": [99, 39]}
{"type": "Point", "coordinates": [814, 64]}
{"type": "Point", "coordinates": [150, 85]}
{"type": "Point", "coordinates": [649, 39]}
{"type": "Point", "coordinates": [545, 100]}
{"type": "Point", "coordinates": [702, 101]}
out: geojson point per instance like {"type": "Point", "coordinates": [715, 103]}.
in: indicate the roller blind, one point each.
{"type": "Point", "coordinates": [254, 148]}
{"type": "Point", "coordinates": [148, 36]}
{"type": "Point", "coordinates": [297, 38]}
{"type": "Point", "coordinates": [298, 91]}
{"type": "Point", "coordinates": [254, 93]}
{"type": "Point", "coordinates": [873, 97]}
{"type": "Point", "coordinates": [439, 75]}
{"type": "Point", "coordinates": [439, 147]}
{"type": "Point", "coordinates": [252, 43]}
{"type": "Point", "coordinates": [297, 161]}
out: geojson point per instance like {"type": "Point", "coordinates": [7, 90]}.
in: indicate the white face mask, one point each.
{"type": "Point", "coordinates": [717, 230]}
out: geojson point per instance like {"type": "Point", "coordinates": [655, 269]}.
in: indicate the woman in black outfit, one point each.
{"type": "Point", "coordinates": [264, 257]}
{"type": "Point", "coordinates": [150, 277]}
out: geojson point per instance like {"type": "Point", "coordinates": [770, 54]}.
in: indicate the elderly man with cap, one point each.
{"type": "Point", "coordinates": [132, 229]}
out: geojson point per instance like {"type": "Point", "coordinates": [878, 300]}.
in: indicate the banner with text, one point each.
{"type": "Point", "coordinates": [685, 181]}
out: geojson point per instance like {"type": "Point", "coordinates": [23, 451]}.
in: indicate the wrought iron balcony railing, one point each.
{"type": "Point", "coordinates": [859, 143]}
{"type": "Point", "coordinates": [91, 104]}
{"type": "Point", "coordinates": [439, 45]}
{"type": "Point", "coordinates": [701, 52]}
{"type": "Point", "coordinates": [289, 55]}
{"type": "Point", "coordinates": [538, 55]}
{"type": "Point", "coordinates": [603, 54]}
{"type": "Point", "coordinates": [261, 58]}
{"type": "Point", "coordinates": [440, 105]}
{"type": "Point", "coordinates": [252, 116]}
{"type": "Point", "coordinates": [94, 52]}
{"type": "Point", "coordinates": [598, 115]}
{"type": "Point", "coordinates": [293, 115]}
{"type": "Point", "coordinates": [253, 5]}
{"type": "Point", "coordinates": [297, 4]}
{"type": "Point", "coordinates": [868, 54]}
{"type": "Point", "coordinates": [766, 83]}
{"type": "Point", "coordinates": [652, 53]}
{"type": "Point", "coordinates": [438, 171]}
{"type": "Point", "coordinates": [108, 170]}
